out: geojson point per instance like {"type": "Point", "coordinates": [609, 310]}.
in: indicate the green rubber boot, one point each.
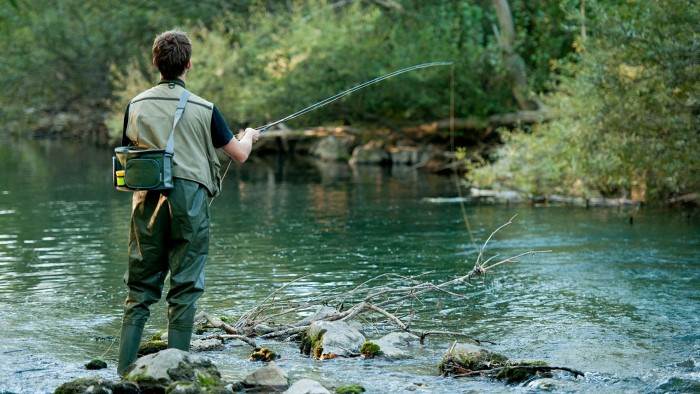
{"type": "Point", "coordinates": [179, 339]}
{"type": "Point", "coordinates": [128, 346]}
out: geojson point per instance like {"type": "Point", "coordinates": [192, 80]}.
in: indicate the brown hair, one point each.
{"type": "Point", "coordinates": [171, 53]}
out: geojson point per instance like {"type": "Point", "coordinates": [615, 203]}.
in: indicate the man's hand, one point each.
{"type": "Point", "coordinates": [254, 134]}
{"type": "Point", "coordinates": [239, 149]}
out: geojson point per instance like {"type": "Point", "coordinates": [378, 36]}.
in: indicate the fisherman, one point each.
{"type": "Point", "coordinates": [169, 230]}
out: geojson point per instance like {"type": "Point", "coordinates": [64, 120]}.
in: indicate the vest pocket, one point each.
{"type": "Point", "coordinates": [143, 173]}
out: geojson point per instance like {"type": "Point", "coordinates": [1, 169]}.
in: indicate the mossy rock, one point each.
{"type": "Point", "coordinates": [312, 345]}
{"type": "Point", "coordinates": [518, 372]}
{"type": "Point", "coordinates": [96, 364]}
{"type": "Point", "coordinates": [158, 336]}
{"type": "Point", "coordinates": [96, 385]}
{"type": "Point", "coordinates": [263, 354]}
{"type": "Point", "coordinates": [370, 349]}
{"type": "Point", "coordinates": [464, 357]}
{"type": "Point", "coordinates": [350, 389]}
{"type": "Point", "coordinates": [151, 347]}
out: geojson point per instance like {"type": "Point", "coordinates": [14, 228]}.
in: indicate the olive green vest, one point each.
{"type": "Point", "coordinates": [150, 120]}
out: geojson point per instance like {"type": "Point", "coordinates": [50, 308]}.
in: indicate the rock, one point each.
{"type": "Point", "coordinates": [307, 386]}
{"type": "Point", "coordinates": [204, 345]}
{"type": "Point", "coordinates": [544, 384]}
{"type": "Point", "coordinates": [330, 339]}
{"type": "Point", "coordinates": [263, 354]}
{"type": "Point", "coordinates": [372, 152]}
{"type": "Point", "coordinates": [321, 313]}
{"type": "Point", "coordinates": [370, 349]}
{"type": "Point", "coordinates": [97, 386]}
{"type": "Point", "coordinates": [350, 389]}
{"type": "Point", "coordinates": [171, 365]}
{"type": "Point", "coordinates": [96, 364]}
{"type": "Point", "coordinates": [332, 148]}
{"type": "Point", "coordinates": [269, 378]}
{"type": "Point", "coordinates": [407, 155]}
{"type": "Point", "coordinates": [465, 357]}
{"type": "Point", "coordinates": [396, 345]}
{"type": "Point", "coordinates": [152, 346]}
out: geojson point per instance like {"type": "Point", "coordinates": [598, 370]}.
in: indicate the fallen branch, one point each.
{"type": "Point", "coordinates": [494, 371]}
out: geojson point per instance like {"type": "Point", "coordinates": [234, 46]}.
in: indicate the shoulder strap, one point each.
{"type": "Point", "coordinates": [170, 146]}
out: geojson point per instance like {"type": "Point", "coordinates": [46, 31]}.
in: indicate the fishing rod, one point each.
{"type": "Point", "coordinates": [337, 97]}
{"type": "Point", "coordinates": [344, 93]}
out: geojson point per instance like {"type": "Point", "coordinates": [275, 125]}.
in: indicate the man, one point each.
{"type": "Point", "coordinates": [170, 229]}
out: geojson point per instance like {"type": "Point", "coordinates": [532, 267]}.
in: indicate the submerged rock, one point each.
{"type": "Point", "coordinates": [96, 364]}
{"type": "Point", "coordinates": [370, 349]}
{"type": "Point", "coordinates": [171, 365]}
{"type": "Point", "coordinates": [204, 345]}
{"type": "Point", "coordinates": [396, 345]}
{"type": "Point", "coordinates": [152, 346]}
{"type": "Point", "coordinates": [407, 155]}
{"type": "Point", "coordinates": [97, 385]}
{"type": "Point", "coordinates": [372, 152]}
{"type": "Point", "coordinates": [350, 389]}
{"type": "Point", "coordinates": [269, 378]}
{"type": "Point", "coordinates": [307, 386]}
{"type": "Point", "coordinates": [330, 339]}
{"type": "Point", "coordinates": [464, 360]}
{"type": "Point", "coordinates": [332, 148]}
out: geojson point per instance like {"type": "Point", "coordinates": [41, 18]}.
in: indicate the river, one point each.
{"type": "Point", "coordinates": [619, 301]}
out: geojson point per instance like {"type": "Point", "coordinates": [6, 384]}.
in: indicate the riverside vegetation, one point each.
{"type": "Point", "coordinates": [577, 97]}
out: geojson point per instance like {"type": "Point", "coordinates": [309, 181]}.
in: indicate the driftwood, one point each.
{"type": "Point", "coordinates": [387, 299]}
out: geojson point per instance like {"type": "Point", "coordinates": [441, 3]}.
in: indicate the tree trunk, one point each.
{"type": "Point", "coordinates": [513, 62]}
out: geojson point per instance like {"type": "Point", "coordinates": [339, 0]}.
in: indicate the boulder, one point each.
{"type": "Point", "coordinates": [269, 378]}
{"type": "Point", "coordinates": [408, 155]}
{"type": "Point", "coordinates": [372, 152]}
{"type": "Point", "coordinates": [330, 339]}
{"type": "Point", "coordinates": [204, 345]}
{"type": "Point", "coordinates": [172, 365]}
{"type": "Point", "coordinates": [333, 148]}
{"type": "Point", "coordinates": [350, 389]}
{"type": "Point", "coordinates": [397, 345]}
{"type": "Point", "coordinates": [321, 313]}
{"type": "Point", "coordinates": [307, 386]}
{"type": "Point", "coordinates": [152, 346]}
{"type": "Point", "coordinates": [263, 354]}
{"type": "Point", "coordinates": [97, 386]}
{"type": "Point", "coordinates": [96, 364]}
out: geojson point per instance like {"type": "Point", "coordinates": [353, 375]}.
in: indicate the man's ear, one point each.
{"type": "Point", "coordinates": [189, 65]}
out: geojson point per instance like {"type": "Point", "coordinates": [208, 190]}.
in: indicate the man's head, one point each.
{"type": "Point", "coordinates": [171, 53]}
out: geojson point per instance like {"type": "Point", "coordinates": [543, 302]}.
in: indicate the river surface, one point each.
{"type": "Point", "coordinates": [619, 301]}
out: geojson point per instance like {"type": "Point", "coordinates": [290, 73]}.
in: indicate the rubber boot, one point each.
{"type": "Point", "coordinates": [179, 339]}
{"type": "Point", "coordinates": [128, 346]}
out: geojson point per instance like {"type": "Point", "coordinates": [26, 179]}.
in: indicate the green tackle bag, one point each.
{"type": "Point", "coordinates": [135, 169]}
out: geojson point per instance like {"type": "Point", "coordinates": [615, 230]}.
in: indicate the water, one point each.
{"type": "Point", "coordinates": [618, 301]}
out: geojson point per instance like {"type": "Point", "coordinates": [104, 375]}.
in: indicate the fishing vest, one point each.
{"type": "Point", "coordinates": [150, 121]}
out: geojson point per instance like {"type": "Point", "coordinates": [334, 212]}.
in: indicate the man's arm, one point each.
{"type": "Point", "coordinates": [239, 150]}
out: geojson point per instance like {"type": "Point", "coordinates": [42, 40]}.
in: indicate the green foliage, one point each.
{"type": "Point", "coordinates": [370, 349]}
{"type": "Point", "coordinates": [626, 113]}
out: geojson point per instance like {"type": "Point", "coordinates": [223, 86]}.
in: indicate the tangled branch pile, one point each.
{"type": "Point", "coordinates": [388, 298]}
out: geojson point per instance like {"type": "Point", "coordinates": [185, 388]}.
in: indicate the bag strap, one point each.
{"type": "Point", "coordinates": [170, 146]}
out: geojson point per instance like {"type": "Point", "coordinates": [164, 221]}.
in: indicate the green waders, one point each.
{"type": "Point", "coordinates": [169, 233]}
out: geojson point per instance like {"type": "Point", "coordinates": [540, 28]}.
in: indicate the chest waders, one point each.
{"type": "Point", "coordinates": [169, 233]}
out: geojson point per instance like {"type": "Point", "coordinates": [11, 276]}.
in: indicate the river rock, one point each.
{"type": "Point", "coordinates": [465, 357]}
{"type": "Point", "coordinates": [171, 365]}
{"type": "Point", "coordinates": [372, 152]}
{"type": "Point", "coordinates": [205, 345]}
{"type": "Point", "coordinates": [407, 155]}
{"type": "Point", "coordinates": [321, 313]}
{"type": "Point", "coordinates": [152, 346]}
{"type": "Point", "coordinates": [96, 364]}
{"type": "Point", "coordinates": [396, 345]}
{"type": "Point", "coordinates": [97, 386]}
{"type": "Point", "coordinates": [307, 386]}
{"type": "Point", "coordinates": [333, 148]}
{"type": "Point", "coordinates": [330, 339]}
{"type": "Point", "coordinates": [269, 378]}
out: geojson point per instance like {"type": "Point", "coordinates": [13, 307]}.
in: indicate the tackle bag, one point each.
{"type": "Point", "coordinates": [135, 168]}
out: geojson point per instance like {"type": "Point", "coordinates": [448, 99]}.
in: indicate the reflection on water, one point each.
{"type": "Point", "coordinates": [620, 302]}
